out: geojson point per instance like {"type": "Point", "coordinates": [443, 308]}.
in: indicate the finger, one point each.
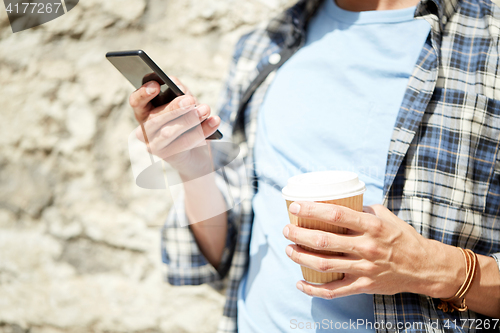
{"type": "Point", "coordinates": [139, 100]}
{"type": "Point", "coordinates": [335, 289]}
{"type": "Point", "coordinates": [330, 213]}
{"type": "Point", "coordinates": [160, 121]}
{"type": "Point", "coordinates": [187, 141]}
{"type": "Point", "coordinates": [379, 211]}
{"type": "Point", "coordinates": [178, 107]}
{"type": "Point", "coordinates": [180, 102]}
{"type": "Point", "coordinates": [319, 240]}
{"type": "Point", "coordinates": [174, 129]}
{"type": "Point", "coordinates": [210, 126]}
{"type": "Point", "coordinates": [334, 263]}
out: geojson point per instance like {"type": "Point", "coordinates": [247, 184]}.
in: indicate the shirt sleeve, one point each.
{"type": "Point", "coordinates": [186, 265]}
{"type": "Point", "coordinates": [496, 256]}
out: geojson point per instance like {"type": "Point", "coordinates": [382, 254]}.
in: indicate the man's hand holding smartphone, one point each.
{"type": "Point", "coordinates": [175, 131]}
{"type": "Point", "coordinates": [175, 128]}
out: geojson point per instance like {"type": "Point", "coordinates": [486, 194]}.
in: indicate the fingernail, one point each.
{"type": "Point", "coordinates": [300, 287]}
{"type": "Point", "coordinates": [212, 122]}
{"type": "Point", "coordinates": [286, 231]}
{"type": "Point", "coordinates": [150, 88]}
{"type": "Point", "coordinates": [294, 208]}
{"type": "Point", "coordinates": [289, 251]}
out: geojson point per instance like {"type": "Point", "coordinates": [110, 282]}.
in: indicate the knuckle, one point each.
{"type": "Point", "coordinates": [367, 268]}
{"type": "Point", "coordinates": [153, 121]}
{"type": "Point", "coordinates": [365, 285]}
{"type": "Point", "coordinates": [370, 250]}
{"type": "Point", "coordinates": [376, 227]}
{"type": "Point", "coordinates": [322, 241]}
{"type": "Point", "coordinates": [187, 100]}
{"type": "Point", "coordinates": [158, 121]}
{"type": "Point", "coordinates": [334, 214]}
{"type": "Point", "coordinates": [329, 294]}
{"type": "Point", "coordinates": [133, 100]}
{"type": "Point", "coordinates": [324, 265]}
{"type": "Point", "coordinates": [308, 290]}
{"type": "Point", "coordinates": [307, 209]}
{"type": "Point", "coordinates": [166, 132]}
{"type": "Point", "coordinates": [296, 256]}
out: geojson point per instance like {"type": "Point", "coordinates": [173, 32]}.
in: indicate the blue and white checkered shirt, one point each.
{"type": "Point", "coordinates": [443, 170]}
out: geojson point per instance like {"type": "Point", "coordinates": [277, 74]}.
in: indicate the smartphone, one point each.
{"type": "Point", "coordinates": [139, 68]}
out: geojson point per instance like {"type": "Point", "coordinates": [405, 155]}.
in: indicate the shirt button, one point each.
{"type": "Point", "coordinates": [444, 20]}
{"type": "Point", "coordinates": [274, 58]}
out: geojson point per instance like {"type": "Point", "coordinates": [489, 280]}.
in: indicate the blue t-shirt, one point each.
{"type": "Point", "coordinates": [332, 106]}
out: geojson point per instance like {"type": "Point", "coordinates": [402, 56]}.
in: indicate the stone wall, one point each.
{"type": "Point", "coordinates": [79, 241]}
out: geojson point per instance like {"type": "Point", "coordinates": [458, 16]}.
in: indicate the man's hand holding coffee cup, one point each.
{"type": "Point", "coordinates": [382, 254]}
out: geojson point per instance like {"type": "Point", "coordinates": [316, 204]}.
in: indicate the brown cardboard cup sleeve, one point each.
{"type": "Point", "coordinates": [335, 187]}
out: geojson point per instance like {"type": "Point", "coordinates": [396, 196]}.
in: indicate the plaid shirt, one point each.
{"type": "Point", "coordinates": [442, 175]}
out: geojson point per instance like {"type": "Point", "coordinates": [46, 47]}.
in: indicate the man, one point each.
{"type": "Point", "coordinates": [404, 93]}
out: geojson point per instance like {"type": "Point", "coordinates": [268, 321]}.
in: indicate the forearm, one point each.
{"type": "Point", "coordinates": [484, 294]}
{"type": "Point", "coordinates": [204, 199]}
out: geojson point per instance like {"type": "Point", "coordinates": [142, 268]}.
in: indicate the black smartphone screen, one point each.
{"type": "Point", "coordinates": [138, 68]}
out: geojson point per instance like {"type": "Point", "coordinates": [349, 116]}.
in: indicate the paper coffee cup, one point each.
{"type": "Point", "coordinates": [336, 187]}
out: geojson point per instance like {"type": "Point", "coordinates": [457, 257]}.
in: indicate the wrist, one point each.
{"type": "Point", "coordinates": [445, 270]}
{"type": "Point", "coordinates": [192, 172]}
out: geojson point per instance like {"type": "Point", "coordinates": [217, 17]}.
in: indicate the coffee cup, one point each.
{"type": "Point", "coordinates": [335, 187]}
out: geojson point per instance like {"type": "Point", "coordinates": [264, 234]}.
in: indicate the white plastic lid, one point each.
{"type": "Point", "coordinates": [323, 185]}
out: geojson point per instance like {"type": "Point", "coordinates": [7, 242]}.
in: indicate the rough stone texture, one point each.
{"type": "Point", "coordinates": [79, 241]}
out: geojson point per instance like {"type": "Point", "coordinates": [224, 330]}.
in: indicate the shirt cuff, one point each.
{"type": "Point", "coordinates": [186, 265]}
{"type": "Point", "coordinates": [496, 256]}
